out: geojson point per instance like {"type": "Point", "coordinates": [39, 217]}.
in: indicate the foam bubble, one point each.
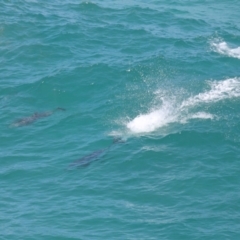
{"type": "Point", "coordinates": [223, 48]}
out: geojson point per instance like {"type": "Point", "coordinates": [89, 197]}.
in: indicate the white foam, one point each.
{"type": "Point", "coordinates": [154, 119]}
{"type": "Point", "coordinates": [219, 90]}
{"type": "Point", "coordinates": [223, 48]}
{"type": "Point", "coordinates": [172, 110]}
{"type": "Point", "coordinates": [201, 115]}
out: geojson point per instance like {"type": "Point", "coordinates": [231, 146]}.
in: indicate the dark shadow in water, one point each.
{"type": "Point", "coordinates": [94, 156]}
{"type": "Point", "coordinates": [33, 118]}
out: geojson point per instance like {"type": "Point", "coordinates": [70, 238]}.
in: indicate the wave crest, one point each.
{"type": "Point", "coordinates": [223, 48]}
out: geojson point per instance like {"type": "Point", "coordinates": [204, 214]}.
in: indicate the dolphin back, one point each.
{"type": "Point", "coordinates": [59, 109]}
{"type": "Point", "coordinates": [86, 160]}
{"type": "Point", "coordinates": [37, 115]}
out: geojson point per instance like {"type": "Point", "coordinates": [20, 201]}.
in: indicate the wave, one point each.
{"type": "Point", "coordinates": [175, 109]}
{"type": "Point", "coordinates": [223, 48]}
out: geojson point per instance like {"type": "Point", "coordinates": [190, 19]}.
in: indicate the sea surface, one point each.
{"type": "Point", "coordinates": [119, 119]}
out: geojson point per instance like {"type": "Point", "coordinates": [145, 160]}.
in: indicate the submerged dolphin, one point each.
{"type": "Point", "coordinates": [31, 119]}
{"type": "Point", "coordinates": [94, 156]}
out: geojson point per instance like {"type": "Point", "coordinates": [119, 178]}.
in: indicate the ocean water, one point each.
{"type": "Point", "coordinates": [146, 143]}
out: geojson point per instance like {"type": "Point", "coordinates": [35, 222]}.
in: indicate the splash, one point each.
{"type": "Point", "coordinates": [173, 109]}
{"type": "Point", "coordinates": [223, 48]}
{"type": "Point", "coordinates": [153, 120]}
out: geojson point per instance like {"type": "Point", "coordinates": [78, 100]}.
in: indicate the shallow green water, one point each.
{"type": "Point", "coordinates": [162, 76]}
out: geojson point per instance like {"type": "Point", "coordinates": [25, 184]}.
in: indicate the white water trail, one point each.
{"type": "Point", "coordinates": [219, 90]}
{"type": "Point", "coordinates": [223, 48]}
{"type": "Point", "coordinates": [172, 110]}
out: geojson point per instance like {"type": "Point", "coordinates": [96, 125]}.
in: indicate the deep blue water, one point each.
{"type": "Point", "coordinates": [161, 78]}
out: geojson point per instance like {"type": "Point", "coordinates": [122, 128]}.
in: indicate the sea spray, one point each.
{"type": "Point", "coordinates": [154, 119]}
{"type": "Point", "coordinates": [174, 111]}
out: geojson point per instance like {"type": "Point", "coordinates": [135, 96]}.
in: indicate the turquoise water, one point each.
{"type": "Point", "coordinates": [162, 76]}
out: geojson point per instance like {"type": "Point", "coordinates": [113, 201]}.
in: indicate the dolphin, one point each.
{"type": "Point", "coordinates": [94, 156]}
{"type": "Point", "coordinates": [31, 119]}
